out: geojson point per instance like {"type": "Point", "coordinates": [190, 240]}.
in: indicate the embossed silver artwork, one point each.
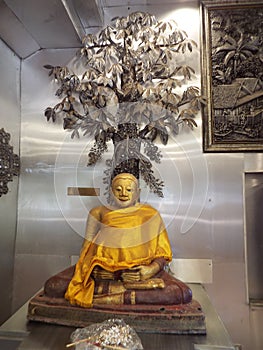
{"type": "Point", "coordinates": [9, 162]}
{"type": "Point", "coordinates": [233, 75]}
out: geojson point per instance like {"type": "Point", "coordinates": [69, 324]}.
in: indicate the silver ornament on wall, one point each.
{"type": "Point", "coordinates": [9, 162]}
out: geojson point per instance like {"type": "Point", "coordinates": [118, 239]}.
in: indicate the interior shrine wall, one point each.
{"type": "Point", "coordinates": [203, 204]}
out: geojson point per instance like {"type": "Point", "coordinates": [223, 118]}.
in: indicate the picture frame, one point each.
{"type": "Point", "coordinates": [232, 75]}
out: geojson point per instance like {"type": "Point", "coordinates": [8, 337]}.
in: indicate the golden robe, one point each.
{"type": "Point", "coordinates": [127, 237]}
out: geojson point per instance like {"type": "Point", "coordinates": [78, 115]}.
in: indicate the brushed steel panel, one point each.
{"type": "Point", "coordinates": [13, 32]}
{"type": "Point", "coordinates": [47, 21]}
{"type": "Point", "coordinates": [10, 121]}
{"type": "Point", "coordinates": [227, 294]}
{"type": "Point", "coordinates": [31, 271]}
{"type": "Point", "coordinates": [256, 317]}
{"type": "Point", "coordinates": [213, 347]}
{"type": "Point", "coordinates": [89, 13]}
{"type": "Point", "coordinates": [254, 239]}
{"type": "Point", "coordinates": [193, 270]}
{"type": "Point", "coordinates": [227, 229]}
{"type": "Point", "coordinates": [253, 162]}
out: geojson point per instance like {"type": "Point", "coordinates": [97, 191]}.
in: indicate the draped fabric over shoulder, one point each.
{"type": "Point", "coordinates": [127, 237]}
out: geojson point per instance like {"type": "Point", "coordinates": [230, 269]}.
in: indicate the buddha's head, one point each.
{"type": "Point", "coordinates": [125, 190]}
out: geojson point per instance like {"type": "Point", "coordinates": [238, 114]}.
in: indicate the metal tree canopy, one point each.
{"type": "Point", "coordinates": [132, 92]}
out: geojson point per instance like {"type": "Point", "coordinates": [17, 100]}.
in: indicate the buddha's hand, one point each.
{"type": "Point", "coordinates": [131, 275]}
{"type": "Point", "coordinates": [140, 272]}
{"type": "Point", "coordinates": [100, 274]}
{"type": "Point", "coordinates": [148, 271]}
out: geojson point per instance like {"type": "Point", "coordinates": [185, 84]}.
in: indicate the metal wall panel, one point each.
{"type": "Point", "coordinates": [32, 270]}
{"type": "Point", "coordinates": [47, 21]}
{"type": "Point", "coordinates": [256, 319]}
{"type": "Point", "coordinates": [10, 121]}
{"type": "Point", "coordinates": [254, 238]}
{"type": "Point", "coordinates": [13, 32]}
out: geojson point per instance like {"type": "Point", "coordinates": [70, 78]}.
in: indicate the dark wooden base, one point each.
{"type": "Point", "coordinates": [176, 319]}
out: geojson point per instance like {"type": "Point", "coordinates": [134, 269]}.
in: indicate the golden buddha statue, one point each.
{"type": "Point", "coordinates": [123, 258]}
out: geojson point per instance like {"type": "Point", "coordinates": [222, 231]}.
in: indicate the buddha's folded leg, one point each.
{"type": "Point", "coordinates": [175, 292]}
{"type": "Point", "coordinates": [56, 286]}
{"type": "Point", "coordinates": [172, 281]}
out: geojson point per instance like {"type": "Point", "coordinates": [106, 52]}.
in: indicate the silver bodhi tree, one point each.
{"type": "Point", "coordinates": [132, 92]}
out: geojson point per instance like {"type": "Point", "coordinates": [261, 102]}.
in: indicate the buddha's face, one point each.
{"type": "Point", "coordinates": [125, 192]}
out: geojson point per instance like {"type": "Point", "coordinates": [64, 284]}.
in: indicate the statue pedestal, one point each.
{"type": "Point", "coordinates": [175, 319]}
{"type": "Point", "coordinates": [22, 334]}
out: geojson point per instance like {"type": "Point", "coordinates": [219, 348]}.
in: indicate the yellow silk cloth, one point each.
{"type": "Point", "coordinates": [127, 237]}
